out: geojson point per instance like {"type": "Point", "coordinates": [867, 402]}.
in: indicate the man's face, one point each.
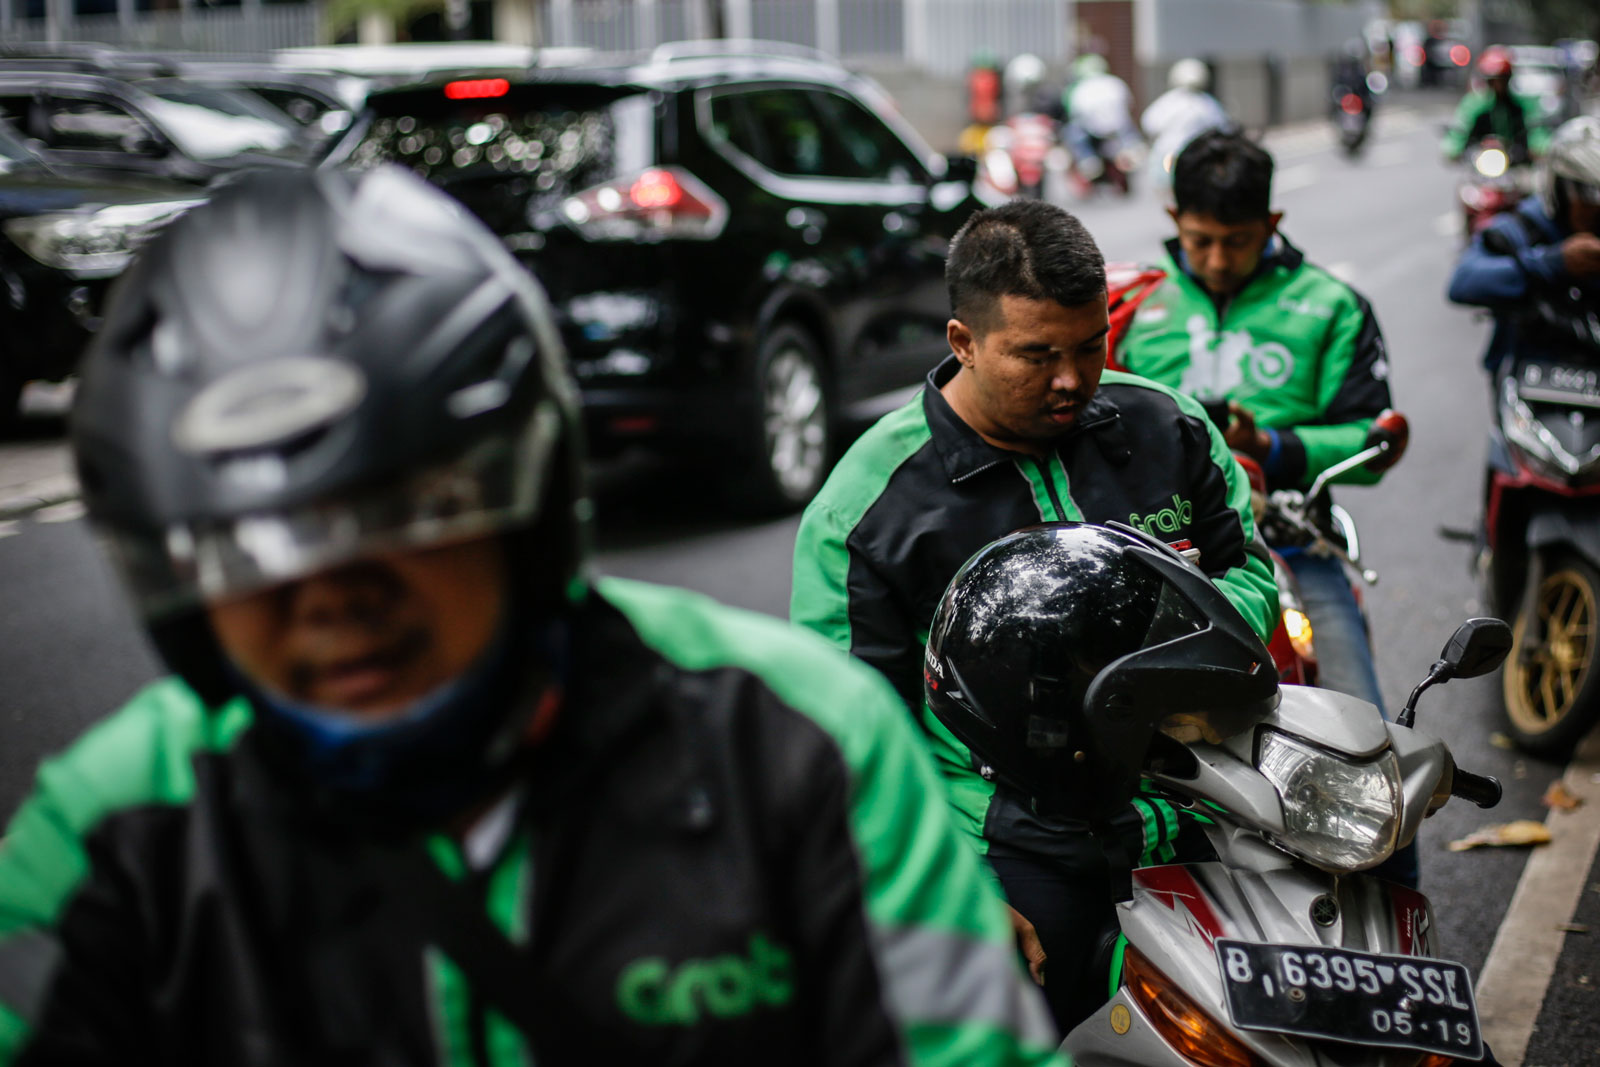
{"type": "Point", "coordinates": [1223, 254]}
{"type": "Point", "coordinates": [1036, 367]}
{"type": "Point", "coordinates": [372, 636]}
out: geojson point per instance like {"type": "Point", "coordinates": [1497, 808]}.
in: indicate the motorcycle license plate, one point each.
{"type": "Point", "coordinates": [1336, 994]}
{"type": "Point", "coordinates": [1559, 383]}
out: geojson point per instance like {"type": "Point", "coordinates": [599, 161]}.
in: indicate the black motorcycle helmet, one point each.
{"type": "Point", "coordinates": [1059, 651]}
{"type": "Point", "coordinates": [311, 368]}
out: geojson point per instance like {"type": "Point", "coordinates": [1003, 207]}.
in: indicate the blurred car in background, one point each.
{"type": "Point", "coordinates": [63, 236]}
{"type": "Point", "coordinates": [745, 251]}
{"type": "Point", "coordinates": [163, 127]}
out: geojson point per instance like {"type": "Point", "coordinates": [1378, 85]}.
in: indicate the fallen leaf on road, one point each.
{"type": "Point", "coordinates": [1502, 741]}
{"type": "Point", "coordinates": [1573, 928]}
{"type": "Point", "coordinates": [1558, 796]}
{"type": "Point", "coordinates": [1521, 832]}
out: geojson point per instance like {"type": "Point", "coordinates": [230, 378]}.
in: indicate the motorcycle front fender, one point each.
{"type": "Point", "coordinates": [1574, 527]}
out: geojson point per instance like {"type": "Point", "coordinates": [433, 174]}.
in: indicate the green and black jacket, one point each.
{"type": "Point", "coordinates": [1514, 120]}
{"type": "Point", "coordinates": [1297, 347]}
{"type": "Point", "coordinates": [920, 492]}
{"type": "Point", "coordinates": [727, 854]}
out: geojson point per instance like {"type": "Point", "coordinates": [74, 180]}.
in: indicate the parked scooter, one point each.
{"type": "Point", "coordinates": [1279, 951]}
{"type": "Point", "coordinates": [1018, 155]}
{"type": "Point", "coordinates": [1541, 532]}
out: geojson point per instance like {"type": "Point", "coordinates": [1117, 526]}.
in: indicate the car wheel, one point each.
{"type": "Point", "coordinates": [791, 445]}
{"type": "Point", "coordinates": [1551, 687]}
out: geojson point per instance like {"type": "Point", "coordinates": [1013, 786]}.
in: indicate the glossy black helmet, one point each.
{"type": "Point", "coordinates": [1059, 651]}
{"type": "Point", "coordinates": [311, 368]}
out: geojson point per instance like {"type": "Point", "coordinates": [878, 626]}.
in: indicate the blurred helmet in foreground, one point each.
{"type": "Point", "coordinates": [1189, 74]}
{"type": "Point", "coordinates": [1060, 651]}
{"type": "Point", "coordinates": [310, 369]}
{"type": "Point", "coordinates": [1571, 166]}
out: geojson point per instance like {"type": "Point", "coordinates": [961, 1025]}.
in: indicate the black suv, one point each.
{"type": "Point", "coordinates": [62, 237]}
{"type": "Point", "coordinates": [166, 127]}
{"type": "Point", "coordinates": [746, 251]}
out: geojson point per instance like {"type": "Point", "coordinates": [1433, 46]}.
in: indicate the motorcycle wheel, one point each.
{"type": "Point", "coordinates": [1552, 690]}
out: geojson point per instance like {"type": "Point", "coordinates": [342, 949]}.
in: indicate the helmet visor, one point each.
{"type": "Point", "coordinates": [495, 485]}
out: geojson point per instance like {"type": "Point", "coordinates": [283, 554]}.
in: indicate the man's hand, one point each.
{"type": "Point", "coordinates": [1242, 435]}
{"type": "Point", "coordinates": [1028, 944]}
{"type": "Point", "coordinates": [1580, 254]}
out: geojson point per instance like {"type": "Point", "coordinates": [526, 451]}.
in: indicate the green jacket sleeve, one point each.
{"type": "Point", "coordinates": [944, 948]}
{"type": "Point", "coordinates": [1455, 138]}
{"type": "Point", "coordinates": [1352, 389]}
{"type": "Point", "coordinates": [1533, 121]}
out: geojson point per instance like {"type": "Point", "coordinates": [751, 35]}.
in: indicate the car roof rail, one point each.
{"type": "Point", "coordinates": [675, 51]}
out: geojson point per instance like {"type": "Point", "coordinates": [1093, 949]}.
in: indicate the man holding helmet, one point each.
{"type": "Point", "coordinates": [1496, 111]}
{"type": "Point", "coordinates": [1550, 244]}
{"type": "Point", "coordinates": [422, 791]}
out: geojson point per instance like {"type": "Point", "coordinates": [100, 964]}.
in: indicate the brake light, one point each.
{"type": "Point", "coordinates": [1460, 55]}
{"type": "Point", "coordinates": [1435, 1059]}
{"type": "Point", "coordinates": [476, 88]}
{"type": "Point", "coordinates": [654, 204]}
{"type": "Point", "coordinates": [1351, 104]}
{"type": "Point", "coordinates": [1179, 1021]}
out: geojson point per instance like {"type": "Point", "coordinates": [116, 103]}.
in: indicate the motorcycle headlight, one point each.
{"type": "Point", "coordinates": [1524, 430]}
{"type": "Point", "coordinates": [1491, 163]}
{"type": "Point", "coordinates": [92, 243]}
{"type": "Point", "coordinates": [1338, 814]}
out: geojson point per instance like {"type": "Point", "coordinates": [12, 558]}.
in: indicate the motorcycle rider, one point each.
{"type": "Point", "coordinates": [1550, 243]}
{"type": "Point", "coordinates": [1179, 115]}
{"type": "Point", "coordinates": [1098, 108]}
{"type": "Point", "coordinates": [1497, 111]}
{"type": "Point", "coordinates": [1243, 317]}
{"type": "Point", "coordinates": [1019, 425]}
{"type": "Point", "coordinates": [422, 789]}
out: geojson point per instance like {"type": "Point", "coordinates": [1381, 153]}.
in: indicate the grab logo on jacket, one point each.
{"type": "Point", "coordinates": [655, 992]}
{"type": "Point", "coordinates": [1219, 365]}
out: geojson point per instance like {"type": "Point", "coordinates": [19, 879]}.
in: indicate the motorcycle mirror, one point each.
{"type": "Point", "coordinates": [960, 169]}
{"type": "Point", "coordinates": [1477, 647]}
{"type": "Point", "coordinates": [1393, 431]}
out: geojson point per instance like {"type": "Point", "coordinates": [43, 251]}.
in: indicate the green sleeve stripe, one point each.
{"type": "Point", "coordinates": [138, 757]}
{"type": "Point", "coordinates": [509, 887]}
{"type": "Point", "coordinates": [1327, 445]}
{"type": "Point", "coordinates": [1041, 491]}
{"type": "Point", "coordinates": [946, 1045]}
{"type": "Point", "coordinates": [820, 596]}
{"type": "Point", "coordinates": [450, 1009]}
{"type": "Point", "coordinates": [505, 1043]}
{"type": "Point", "coordinates": [968, 792]}
{"type": "Point", "coordinates": [447, 856]}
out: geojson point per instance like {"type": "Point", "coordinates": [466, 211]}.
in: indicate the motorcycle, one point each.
{"type": "Point", "coordinates": [1541, 529]}
{"type": "Point", "coordinates": [1279, 951]}
{"type": "Point", "coordinates": [1018, 154]}
{"type": "Point", "coordinates": [1107, 160]}
{"type": "Point", "coordinates": [1492, 182]}
{"type": "Point", "coordinates": [1353, 117]}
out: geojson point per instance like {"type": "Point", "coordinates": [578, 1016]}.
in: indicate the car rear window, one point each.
{"type": "Point", "coordinates": [515, 157]}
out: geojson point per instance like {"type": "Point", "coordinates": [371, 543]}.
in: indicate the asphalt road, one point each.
{"type": "Point", "coordinates": [1384, 222]}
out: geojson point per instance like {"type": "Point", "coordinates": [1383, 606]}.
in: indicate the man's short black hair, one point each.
{"type": "Point", "coordinates": [1224, 175]}
{"type": "Point", "coordinates": [1024, 248]}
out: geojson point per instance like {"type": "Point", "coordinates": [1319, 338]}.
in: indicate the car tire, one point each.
{"type": "Point", "coordinates": [11, 385]}
{"type": "Point", "coordinates": [1552, 690]}
{"type": "Point", "coordinates": [789, 445]}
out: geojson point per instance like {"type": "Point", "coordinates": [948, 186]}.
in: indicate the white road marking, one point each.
{"type": "Point", "coordinates": [66, 511]}
{"type": "Point", "coordinates": [1521, 962]}
{"type": "Point", "coordinates": [1344, 271]}
{"type": "Point", "coordinates": [10, 528]}
{"type": "Point", "coordinates": [1295, 177]}
{"type": "Point", "coordinates": [1448, 224]}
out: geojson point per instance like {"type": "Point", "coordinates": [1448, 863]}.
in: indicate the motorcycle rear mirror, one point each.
{"type": "Point", "coordinates": [1390, 429]}
{"type": "Point", "coordinates": [1477, 647]}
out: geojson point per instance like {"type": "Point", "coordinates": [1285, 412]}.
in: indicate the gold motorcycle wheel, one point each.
{"type": "Point", "coordinates": [1548, 686]}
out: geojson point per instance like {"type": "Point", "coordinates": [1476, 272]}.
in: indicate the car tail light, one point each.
{"type": "Point", "coordinates": [654, 204]}
{"type": "Point", "coordinates": [476, 88]}
{"type": "Point", "coordinates": [1351, 103]}
{"type": "Point", "coordinates": [1180, 1022]}
{"type": "Point", "coordinates": [1460, 55]}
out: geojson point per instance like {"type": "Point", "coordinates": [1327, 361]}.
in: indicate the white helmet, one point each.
{"type": "Point", "coordinates": [1573, 156]}
{"type": "Point", "coordinates": [1190, 74]}
{"type": "Point", "coordinates": [1024, 72]}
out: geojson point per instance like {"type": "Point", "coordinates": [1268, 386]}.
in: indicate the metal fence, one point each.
{"type": "Point", "coordinates": [250, 30]}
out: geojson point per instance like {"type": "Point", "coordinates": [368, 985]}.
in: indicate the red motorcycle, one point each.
{"type": "Point", "coordinates": [1541, 531]}
{"type": "Point", "coordinates": [1017, 155]}
{"type": "Point", "coordinates": [1493, 182]}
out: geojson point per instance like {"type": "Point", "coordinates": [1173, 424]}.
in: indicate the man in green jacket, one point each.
{"type": "Point", "coordinates": [1497, 111]}
{"type": "Point", "coordinates": [1295, 352]}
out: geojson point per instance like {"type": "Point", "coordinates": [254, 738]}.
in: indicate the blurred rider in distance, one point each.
{"type": "Point", "coordinates": [1185, 111]}
{"type": "Point", "coordinates": [1497, 111]}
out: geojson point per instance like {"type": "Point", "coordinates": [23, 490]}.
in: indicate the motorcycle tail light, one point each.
{"type": "Point", "coordinates": [1198, 1037]}
{"type": "Point", "coordinates": [1435, 1059]}
{"type": "Point", "coordinates": [1351, 104]}
{"type": "Point", "coordinates": [1298, 626]}
{"type": "Point", "coordinates": [656, 203]}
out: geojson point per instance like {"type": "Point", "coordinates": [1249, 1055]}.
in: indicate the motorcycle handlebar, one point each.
{"type": "Point", "coordinates": [1482, 789]}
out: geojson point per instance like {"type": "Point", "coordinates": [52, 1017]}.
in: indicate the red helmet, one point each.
{"type": "Point", "coordinates": [1495, 62]}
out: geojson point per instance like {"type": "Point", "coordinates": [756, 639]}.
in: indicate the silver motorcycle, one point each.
{"type": "Point", "coordinates": [1279, 951]}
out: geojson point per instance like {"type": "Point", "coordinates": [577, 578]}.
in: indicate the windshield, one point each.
{"type": "Point", "coordinates": [238, 102]}
{"type": "Point", "coordinates": [205, 133]}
